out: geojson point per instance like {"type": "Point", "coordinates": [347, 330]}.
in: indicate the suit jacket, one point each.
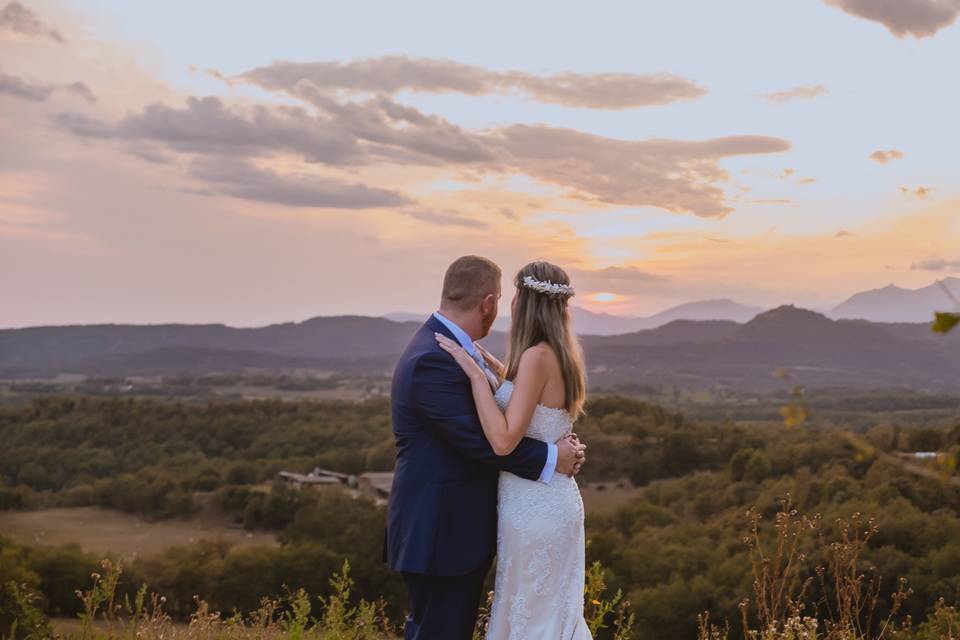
{"type": "Point", "coordinates": [442, 516]}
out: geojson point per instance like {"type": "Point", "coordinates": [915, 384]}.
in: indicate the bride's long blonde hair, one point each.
{"type": "Point", "coordinates": [544, 316]}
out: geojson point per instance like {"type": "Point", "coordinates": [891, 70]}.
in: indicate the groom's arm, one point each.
{"type": "Point", "coordinates": [443, 396]}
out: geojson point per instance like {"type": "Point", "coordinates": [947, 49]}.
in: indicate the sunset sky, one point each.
{"type": "Point", "coordinates": [251, 163]}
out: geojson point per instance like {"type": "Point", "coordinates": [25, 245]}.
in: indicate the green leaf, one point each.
{"type": "Point", "coordinates": [945, 322]}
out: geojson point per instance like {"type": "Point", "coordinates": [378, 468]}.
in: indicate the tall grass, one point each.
{"type": "Point", "coordinates": [106, 616]}
{"type": "Point", "coordinates": [783, 607]}
{"type": "Point", "coordinates": [18, 608]}
{"type": "Point", "coordinates": [290, 617]}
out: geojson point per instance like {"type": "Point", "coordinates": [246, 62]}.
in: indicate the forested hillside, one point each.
{"type": "Point", "coordinates": [675, 547]}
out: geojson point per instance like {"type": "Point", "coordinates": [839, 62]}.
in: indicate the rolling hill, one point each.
{"type": "Point", "coordinates": [319, 343]}
{"type": "Point", "coordinates": [815, 349]}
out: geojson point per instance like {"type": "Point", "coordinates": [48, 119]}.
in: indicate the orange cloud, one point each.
{"type": "Point", "coordinates": [936, 264]}
{"type": "Point", "coordinates": [788, 173]}
{"type": "Point", "coordinates": [883, 157]}
{"type": "Point", "coordinates": [675, 175]}
{"type": "Point", "coordinates": [680, 176]}
{"type": "Point", "coordinates": [918, 192]}
{"type": "Point", "coordinates": [40, 91]}
{"type": "Point", "coordinates": [17, 19]}
{"type": "Point", "coordinates": [618, 281]}
{"type": "Point", "coordinates": [919, 18]}
{"type": "Point", "coordinates": [802, 92]}
{"type": "Point", "coordinates": [392, 74]}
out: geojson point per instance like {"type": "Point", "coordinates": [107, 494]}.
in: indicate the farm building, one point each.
{"type": "Point", "coordinates": [311, 479]}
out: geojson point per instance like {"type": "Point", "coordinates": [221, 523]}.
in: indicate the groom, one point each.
{"type": "Point", "coordinates": [442, 522]}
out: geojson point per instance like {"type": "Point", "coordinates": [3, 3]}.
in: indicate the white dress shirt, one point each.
{"type": "Point", "coordinates": [467, 343]}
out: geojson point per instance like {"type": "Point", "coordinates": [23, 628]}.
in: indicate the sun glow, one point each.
{"type": "Point", "coordinates": [605, 296]}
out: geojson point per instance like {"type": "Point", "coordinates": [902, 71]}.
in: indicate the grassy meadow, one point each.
{"type": "Point", "coordinates": [107, 532]}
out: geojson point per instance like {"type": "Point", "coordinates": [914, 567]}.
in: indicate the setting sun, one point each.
{"type": "Point", "coordinates": [605, 296]}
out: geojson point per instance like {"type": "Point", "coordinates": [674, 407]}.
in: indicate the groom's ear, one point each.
{"type": "Point", "coordinates": [489, 303]}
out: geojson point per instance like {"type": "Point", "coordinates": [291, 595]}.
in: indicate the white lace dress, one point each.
{"type": "Point", "coordinates": [540, 547]}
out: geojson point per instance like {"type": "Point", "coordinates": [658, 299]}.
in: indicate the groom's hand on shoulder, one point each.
{"type": "Point", "coordinates": [571, 455]}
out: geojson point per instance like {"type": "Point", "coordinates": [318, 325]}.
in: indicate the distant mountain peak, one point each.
{"type": "Point", "coordinates": [789, 313]}
{"type": "Point", "coordinates": [893, 303]}
{"type": "Point", "coordinates": [792, 325]}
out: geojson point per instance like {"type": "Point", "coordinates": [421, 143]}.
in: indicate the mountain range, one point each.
{"type": "Point", "coordinates": [815, 349]}
{"type": "Point", "coordinates": [605, 324]}
{"type": "Point", "coordinates": [889, 304]}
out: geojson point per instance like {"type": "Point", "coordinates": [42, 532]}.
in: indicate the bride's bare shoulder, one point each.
{"type": "Point", "coordinates": [540, 356]}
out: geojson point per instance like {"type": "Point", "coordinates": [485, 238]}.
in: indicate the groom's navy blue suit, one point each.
{"type": "Point", "coordinates": [442, 523]}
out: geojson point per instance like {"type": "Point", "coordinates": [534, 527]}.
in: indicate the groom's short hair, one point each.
{"type": "Point", "coordinates": [468, 280]}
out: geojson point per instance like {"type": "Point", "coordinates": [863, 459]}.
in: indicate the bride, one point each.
{"type": "Point", "coordinates": [539, 393]}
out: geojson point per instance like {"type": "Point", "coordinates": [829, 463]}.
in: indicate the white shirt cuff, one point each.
{"type": "Point", "coordinates": [551, 466]}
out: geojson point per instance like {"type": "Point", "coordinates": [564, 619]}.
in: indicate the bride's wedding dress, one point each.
{"type": "Point", "coordinates": [540, 547]}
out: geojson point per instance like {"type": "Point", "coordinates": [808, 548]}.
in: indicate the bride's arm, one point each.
{"type": "Point", "coordinates": [503, 430]}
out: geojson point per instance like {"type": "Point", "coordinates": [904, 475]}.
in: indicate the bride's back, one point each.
{"type": "Point", "coordinates": [554, 390]}
{"type": "Point", "coordinates": [542, 331]}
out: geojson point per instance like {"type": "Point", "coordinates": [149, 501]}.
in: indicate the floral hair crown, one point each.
{"type": "Point", "coordinates": [547, 287]}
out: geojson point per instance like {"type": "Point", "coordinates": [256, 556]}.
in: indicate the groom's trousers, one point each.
{"type": "Point", "coordinates": [444, 607]}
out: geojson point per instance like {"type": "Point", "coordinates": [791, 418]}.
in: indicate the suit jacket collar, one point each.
{"type": "Point", "coordinates": [435, 325]}
{"type": "Point", "coordinates": [460, 336]}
